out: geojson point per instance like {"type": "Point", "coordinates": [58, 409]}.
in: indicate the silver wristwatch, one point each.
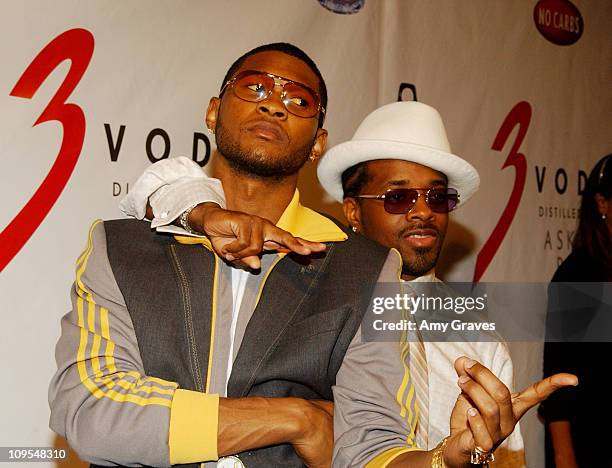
{"type": "Point", "coordinates": [183, 220]}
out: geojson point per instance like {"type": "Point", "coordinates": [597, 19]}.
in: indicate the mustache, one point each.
{"type": "Point", "coordinates": [422, 229]}
{"type": "Point", "coordinates": [269, 124]}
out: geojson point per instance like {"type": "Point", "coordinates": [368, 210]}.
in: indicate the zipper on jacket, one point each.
{"type": "Point", "coordinates": [188, 315]}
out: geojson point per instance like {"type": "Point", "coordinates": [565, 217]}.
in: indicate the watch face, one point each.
{"type": "Point", "coordinates": [230, 462]}
{"type": "Point", "coordinates": [344, 7]}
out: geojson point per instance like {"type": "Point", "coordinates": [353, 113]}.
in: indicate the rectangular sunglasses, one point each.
{"type": "Point", "coordinates": [402, 200]}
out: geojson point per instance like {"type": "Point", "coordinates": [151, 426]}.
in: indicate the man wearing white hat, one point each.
{"type": "Point", "coordinates": [414, 222]}
{"type": "Point", "coordinates": [397, 180]}
{"type": "Point", "coordinates": [393, 146]}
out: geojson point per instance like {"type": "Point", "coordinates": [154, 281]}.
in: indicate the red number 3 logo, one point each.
{"type": "Point", "coordinates": [519, 115]}
{"type": "Point", "coordinates": [76, 45]}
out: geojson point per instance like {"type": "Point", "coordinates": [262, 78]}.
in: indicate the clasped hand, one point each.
{"type": "Point", "coordinates": [486, 413]}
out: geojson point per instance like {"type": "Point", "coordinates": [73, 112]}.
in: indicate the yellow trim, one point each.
{"type": "Point", "coordinates": [213, 321]}
{"type": "Point", "coordinates": [274, 263]}
{"type": "Point", "coordinates": [95, 352]}
{"type": "Point", "coordinates": [308, 224]}
{"type": "Point", "coordinates": [406, 392]}
{"type": "Point", "coordinates": [110, 345]}
{"type": "Point", "coordinates": [296, 219]}
{"type": "Point", "coordinates": [189, 438]}
{"type": "Point", "coordinates": [400, 264]}
{"type": "Point", "coordinates": [80, 314]}
{"type": "Point", "coordinates": [383, 460]}
{"type": "Point", "coordinates": [194, 240]}
{"type": "Point", "coordinates": [89, 245]}
{"type": "Point", "coordinates": [194, 422]}
{"type": "Point", "coordinates": [108, 375]}
{"type": "Point", "coordinates": [84, 258]}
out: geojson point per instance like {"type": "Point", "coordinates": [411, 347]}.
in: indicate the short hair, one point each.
{"type": "Point", "coordinates": [288, 49]}
{"type": "Point", "coordinates": [354, 179]}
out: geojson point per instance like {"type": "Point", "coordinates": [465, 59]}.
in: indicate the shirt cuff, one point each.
{"type": "Point", "coordinates": [194, 423]}
{"type": "Point", "coordinates": [169, 201]}
{"type": "Point", "coordinates": [386, 457]}
{"type": "Point", "coordinates": [155, 176]}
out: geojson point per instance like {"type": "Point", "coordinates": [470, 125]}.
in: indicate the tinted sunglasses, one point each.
{"type": "Point", "coordinates": [401, 201]}
{"type": "Point", "coordinates": [256, 86]}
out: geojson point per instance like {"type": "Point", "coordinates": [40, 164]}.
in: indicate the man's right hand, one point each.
{"type": "Point", "coordinates": [241, 238]}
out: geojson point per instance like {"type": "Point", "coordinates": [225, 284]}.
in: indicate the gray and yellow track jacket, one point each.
{"type": "Point", "coordinates": [142, 352]}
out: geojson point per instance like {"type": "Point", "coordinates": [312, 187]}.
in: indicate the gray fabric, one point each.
{"type": "Point", "coordinates": [170, 312]}
{"type": "Point", "coordinates": [249, 300]}
{"type": "Point", "coordinates": [368, 418]}
{"type": "Point", "coordinates": [367, 415]}
{"type": "Point", "coordinates": [218, 374]}
{"type": "Point", "coordinates": [293, 344]}
{"type": "Point", "coordinates": [92, 425]}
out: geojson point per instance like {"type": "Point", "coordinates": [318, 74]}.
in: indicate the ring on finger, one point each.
{"type": "Point", "coordinates": [481, 457]}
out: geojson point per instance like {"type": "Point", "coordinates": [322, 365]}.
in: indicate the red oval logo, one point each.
{"type": "Point", "coordinates": [559, 21]}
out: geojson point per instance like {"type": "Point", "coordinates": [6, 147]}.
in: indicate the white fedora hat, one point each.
{"type": "Point", "coordinates": [407, 130]}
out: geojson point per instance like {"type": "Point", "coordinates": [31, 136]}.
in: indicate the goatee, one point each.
{"type": "Point", "coordinates": [425, 260]}
{"type": "Point", "coordinates": [255, 161]}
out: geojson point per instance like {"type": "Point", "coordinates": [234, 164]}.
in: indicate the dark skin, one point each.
{"type": "Point", "coordinates": [268, 127]}
{"type": "Point", "coordinates": [253, 124]}
{"type": "Point", "coordinates": [418, 235]}
{"type": "Point", "coordinates": [250, 423]}
{"type": "Point", "coordinates": [563, 445]}
{"type": "Point", "coordinates": [269, 131]}
{"type": "Point", "coordinates": [485, 413]}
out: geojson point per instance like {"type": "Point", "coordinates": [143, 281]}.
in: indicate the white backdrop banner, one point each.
{"type": "Point", "coordinates": [93, 92]}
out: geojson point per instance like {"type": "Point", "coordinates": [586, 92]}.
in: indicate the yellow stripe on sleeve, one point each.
{"type": "Point", "coordinates": [403, 386]}
{"type": "Point", "coordinates": [194, 421]}
{"type": "Point", "coordinates": [383, 460]}
{"type": "Point", "coordinates": [133, 388]}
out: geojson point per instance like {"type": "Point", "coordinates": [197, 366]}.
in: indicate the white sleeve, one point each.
{"type": "Point", "coordinates": [171, 186]}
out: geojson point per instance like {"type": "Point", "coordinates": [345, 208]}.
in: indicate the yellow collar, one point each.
{"type": "Point", "coordinates": [299, 221]}
{"type": "Point", "coordinates": [308, 224]}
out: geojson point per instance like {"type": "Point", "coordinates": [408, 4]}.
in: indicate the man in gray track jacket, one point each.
{"type": "Point", "coordinates": [172, 356]}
